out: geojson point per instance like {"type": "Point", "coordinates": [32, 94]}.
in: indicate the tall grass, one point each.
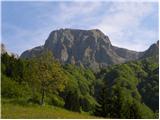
{"type": "Point", "coordinates": [10, 110]}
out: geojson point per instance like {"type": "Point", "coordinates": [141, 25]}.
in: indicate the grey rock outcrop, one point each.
{"type": "Point", "coordinates": [90, 48]}
{"type": "Point", "coordinates": [152, 51]}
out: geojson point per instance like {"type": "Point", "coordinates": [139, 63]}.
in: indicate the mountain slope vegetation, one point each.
{"type": "Point", "coordinates": [128, 90]}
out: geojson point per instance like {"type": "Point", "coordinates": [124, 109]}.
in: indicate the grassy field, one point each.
{"type": "Point", "coordinates": [9, 110]}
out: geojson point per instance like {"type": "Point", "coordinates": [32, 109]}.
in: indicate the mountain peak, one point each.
{"type": "Point", "coordinates": [75, 34]}
{"type": "Point", "coordinates": [153, 50]}
{"type": "Point", "coordinates": [90, 48]}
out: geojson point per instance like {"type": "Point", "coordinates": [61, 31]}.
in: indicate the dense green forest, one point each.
{"type": "Point", "coordinates": [129, 90]}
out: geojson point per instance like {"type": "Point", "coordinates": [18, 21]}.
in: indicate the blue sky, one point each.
{"type": "Point", "coordinates": [132, 25]}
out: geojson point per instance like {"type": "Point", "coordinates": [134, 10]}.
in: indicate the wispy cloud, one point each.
{"type": "Point", "coordinates": [124, 25]}
{"type": "Point", "coordinates": [128, 24]}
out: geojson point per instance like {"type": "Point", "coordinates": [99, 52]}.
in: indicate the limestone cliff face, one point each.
{"type": "Point", "coordinates": [32, 52]}
{"type": "Point", "coordinates": [90, 48]}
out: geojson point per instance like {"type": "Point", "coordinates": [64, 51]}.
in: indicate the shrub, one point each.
{"type": "Point", "coordinates": [11, 89]}
{"type": "Point", "coordinates": [56, 101]}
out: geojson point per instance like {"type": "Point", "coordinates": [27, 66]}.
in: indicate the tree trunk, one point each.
{"type": "Point", "coordinates": [42, 99]}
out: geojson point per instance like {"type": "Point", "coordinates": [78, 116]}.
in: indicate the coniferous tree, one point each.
{"type": "Point", "coordinates": [100, 107]}
{"type": "Point", "coordinates": [104, 102]}
{"type": "Point", "coordinates": [72, 101]}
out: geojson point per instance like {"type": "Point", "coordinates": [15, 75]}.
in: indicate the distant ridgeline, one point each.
{"type": "Point", "coordinates": [88, 48]}
{"type": "Point", "coordinates": [62, 73]}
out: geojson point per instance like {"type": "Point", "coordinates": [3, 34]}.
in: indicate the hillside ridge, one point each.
{"type": "Point", "coordinates": [89, 48]}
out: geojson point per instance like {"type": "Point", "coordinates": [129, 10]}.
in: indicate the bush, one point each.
{"type": "Point", "coordinates": [88, 103]}
{"type": "Point", "coordinates": [35, 99]}
{"type": "Point", "coordinates": [56, 101]}
{"type": "Point", "coordinates": [11, 89]}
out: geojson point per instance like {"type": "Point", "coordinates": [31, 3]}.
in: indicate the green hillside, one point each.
{"type": "Point", "coordinates": [129, 90]}
{"type": "Point", "coordinates": [43, 88]}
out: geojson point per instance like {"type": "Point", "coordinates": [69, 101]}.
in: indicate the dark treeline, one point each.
{"type": "Point", "coordinates": [128, 90]}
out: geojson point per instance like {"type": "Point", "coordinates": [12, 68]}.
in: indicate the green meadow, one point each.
{"type": "Point", "coordinates": [16, 111]}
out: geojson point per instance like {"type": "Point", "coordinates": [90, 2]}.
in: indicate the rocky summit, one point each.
{"type": "Point", "coordinates": [89, 48]}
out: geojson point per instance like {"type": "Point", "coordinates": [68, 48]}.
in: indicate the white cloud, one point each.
{"type": "Point", "coordinates": [69, 11]}
{"type": "Point", "coordinates": [123, 25]}
{"type": "Point", "coordinates": [22, 39]}
{"type": "Point", "coordinates": [121, 21]}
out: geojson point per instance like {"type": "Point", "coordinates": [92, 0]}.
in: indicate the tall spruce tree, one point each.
{"type": "Point", "coordinates": [72, 101]}
{"type": "Point", "coordinates": [104, 102]}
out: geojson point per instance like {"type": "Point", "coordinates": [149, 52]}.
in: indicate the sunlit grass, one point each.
{"type": "Point", "coordinates": [10, 110]}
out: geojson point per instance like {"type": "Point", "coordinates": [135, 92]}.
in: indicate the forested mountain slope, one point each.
{"type": "Point", "coordinates": [125, 86]}
{"type": "Point", "coordinates": [128, 90]}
